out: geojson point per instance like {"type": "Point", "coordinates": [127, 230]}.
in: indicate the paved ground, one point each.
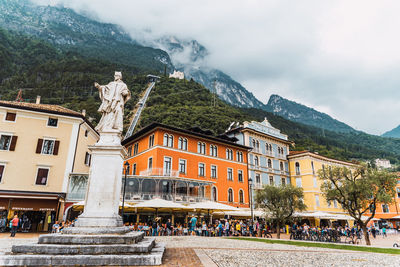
{"type": "Point", "coordinates": [204, 251]}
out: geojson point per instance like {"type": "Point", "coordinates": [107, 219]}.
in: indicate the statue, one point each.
{"type": "Point", "coordinates": [113, 96]}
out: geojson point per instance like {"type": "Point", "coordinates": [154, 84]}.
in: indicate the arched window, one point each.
{"type": "Point", "coordinates": [257, 144]}
{"type": "Point", "coordinates": [199, 147]}
{"type": "Point", "coordinates": [266, 147]}
{"type": "Point", "coordinates": [297, 168]}
{"type": "Point", "coordinates": [203, 148]}
{"type": "Point", "coordinates": [230, 195]}
{"type": "Point", "coordinates": [180, 143]}
{"type": "Point", "coordinates": [165, 143]}
{"type": "Point", "coordinates": [215, 151]}
{"type": "Point", "coordinates": [312, 167]}
{"type": "Point", "coordinates": [254, 143]}
{"type": "Point", "coordinates": [269, 163]}
{"type": "Point", "coordinates": [281, 166]}
{"type": "Point", "coordinates": [171, 141]}
{"type": "Point", "coordinates": [270, 147]}
{"type": "Point", "coordinates": [256, 161]}
{"type": "Point", "coordinates": [241, 196]}
{"type": "Point", "coordinates": [184, 147]}
{"type": "Point", "coordinates": [214, 194]}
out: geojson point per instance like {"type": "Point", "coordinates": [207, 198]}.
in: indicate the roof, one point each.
{"type": "Point", "coordinates": [305, 152]}
{"type": "Point", "coordinates": [46, 108]}
{"type": "Point", "coordinates": [241, 128]}
{"type": "Point", "coordinates": [172, 128]}
{"type": "Point", "coordinates": [54, 109]}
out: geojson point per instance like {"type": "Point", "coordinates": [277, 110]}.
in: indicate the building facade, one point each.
{"type": "Point", "coordinates": [186, 166]}
{"type": "Point", "coordinates": [268, 164]}
{"type": "Point", "coordinates": [304, 167]}
{"type": "Point", "coordinates": [40, 146]}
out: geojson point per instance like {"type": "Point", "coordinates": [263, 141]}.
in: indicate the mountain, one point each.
{"type": "Point", "coordinates": [395, 133]}
{"type": "Point", "coordinates": [191, 57]}
{"type": "Point", "coordinates": [73, 32]}
{"type": "Point", "coordinates": [299, 113]}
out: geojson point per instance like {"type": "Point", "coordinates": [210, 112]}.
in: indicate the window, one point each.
{"type": "Point", "coordinates": [335, 204]}
{"type": "Point", "coordinates": [270, 147]}
{"type": "Point", "coordinates": [385, 208]}
{"type": "Point", "coordinates": [266, 147]}
{"type": "Point", "coordinates": [230, 195]}
{"type": "Point", "coordinates": [271, 180]}
{"type": "Point", "coordinates": [182, 143]}
{"type": "Point", "coordinates": [240, 176]}
{"type": "Point", "coordinates": [372, 208]}
{"type": "Point", "coordinates": [213, 171]}
{"type": "Point", "coordinates": [86, 133]}
{"type": "Point", "coordinates": [297, 168]}
{"type": "Point", "coordinates": [398, 192]}
{"type": "Point", "coordinates": [241, 196]}
{"type": "Point", "coordinates": [317, 200]}
{"type": "Point", "coordinates": [312, 167]}
{"type": "Point", "coordinates": [283, 181]}
{"type": "Point", "coordinates": [42, 174]}
{"type": "Point", "coordinates": [229, 154]}
{"type": "Point", "coordinates": [52, 122]}
{"type": "Point", "coordinates": [281, 166]}
{"type": "Point", "coordinates": [2, 167]}
{"type": "Point", "coordinates": [87, 159]}
{"type": "Point", "coordinates": [167, 166]}
{"type": "Point", "coordinates": [269, 163]}
{"type": "Point", "coordinates": [150, 164]}
{"type": "Point", "coordinates": [315, 182]}
{"type": "Point", "coordinates": [239, 156]}
{"type": "Point", "coordinates": [129, 151]}
{"type": "Point", "coordinates": [168, 140]}
{"type": "Point", "coordinates": [134, 169]}
{"type": "Point", "coordinates": [256, 162]}
{"type": "Point", "coordinates": [151, 140]}
{"type": "Point", "coordinates": [47, 147]}
{"type": "Point", "coordinates": [5, 142]}
{"type": "Point", "coordinates": [135, 148]}
{"type": "Point", "coordinates": [258, 178]}
{"type": "Point", "coordinates": [11, 116]}
{"type": "Point", "coordinates": [214, 194]}
{"type": "Point", "coordinates": [230, 174]}
{"type": "Point", "coordinates": [257, 144]}
{"type": "Point", "coordinates": [213, 150]}
{"type": "Point", "coordinates": [201, 148]}
{"type": "Point", "coordinates": [298, 181]}
{"type": "Point", "coordinates": [182, 166]}
{"type": "Point", "coordinates": [201, 169]}
{"type": "Point", "coordinates": [254, 143]}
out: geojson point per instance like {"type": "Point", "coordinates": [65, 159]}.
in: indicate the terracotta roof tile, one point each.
{"type": "Point", "coordinates": [55, 109]}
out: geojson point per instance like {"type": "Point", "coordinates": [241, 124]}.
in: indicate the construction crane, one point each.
{"type": "Point", "coordinates": [19, 96]}
{"type": "Point", "coordinates": [140, 105]}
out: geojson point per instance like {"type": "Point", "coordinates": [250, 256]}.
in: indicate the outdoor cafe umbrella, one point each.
{"type": "Point", "coordinates": [160, 204]}
{"type": "Point", "coordinates": [81, 204]}
{"type": "Point", "coordinates": [212, 206]}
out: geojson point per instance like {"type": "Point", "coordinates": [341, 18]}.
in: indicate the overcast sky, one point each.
{"type": "Point", "coordinates": [339, 57]}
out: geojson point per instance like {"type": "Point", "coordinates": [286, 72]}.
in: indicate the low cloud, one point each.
{"type": "Point", "coordinates": [340, 56]}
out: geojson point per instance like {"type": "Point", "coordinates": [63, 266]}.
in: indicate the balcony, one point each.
{"type": "Point", "coordinates": [257, 186]}
{"type": "Point", "coordinates": [160, 172]}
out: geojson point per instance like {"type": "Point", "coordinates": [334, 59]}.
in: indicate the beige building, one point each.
{"type": "Point", "coordinates": [304, 167]}
{"type": "Point", "coordinates": [40, 147]}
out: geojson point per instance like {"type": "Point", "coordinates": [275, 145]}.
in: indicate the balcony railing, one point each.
{"type": "Point", "coordinates": [160, 172]}
{"type": "Point", "coordinates": [184, 198]}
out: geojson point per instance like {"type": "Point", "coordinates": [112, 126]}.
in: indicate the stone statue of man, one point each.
{"type": "Point", "coordinates": [113, 97]}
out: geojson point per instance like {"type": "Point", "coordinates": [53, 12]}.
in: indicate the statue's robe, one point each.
{"type": "Point", "coordinates": [113, 96]}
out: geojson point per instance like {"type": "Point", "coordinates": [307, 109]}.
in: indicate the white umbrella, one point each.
{"type": "Point", "coordinates": [211, 205]}
{"type": "Point", "coordinates": [82, 203]}
{"type": "Point", "coordinates": [158, 203]}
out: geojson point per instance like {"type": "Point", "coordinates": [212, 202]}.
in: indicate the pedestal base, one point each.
{"type": "Point", "coordinates": [95, 222]}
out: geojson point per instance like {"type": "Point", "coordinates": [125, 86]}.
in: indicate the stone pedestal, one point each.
{"type": "Point", "coordinates": [104, 185]}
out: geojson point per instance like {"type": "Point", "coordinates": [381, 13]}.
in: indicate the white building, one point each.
{"type": "Point", "coordinates": [178, 75]}
{"type": "Point", "coordinates": [383, 163]}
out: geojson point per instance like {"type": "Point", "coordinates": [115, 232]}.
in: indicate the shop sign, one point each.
{"type": "Point", "coordinates": [46, 209]}
{"type": "Point", "coordinates": [2, 208]}
{"type": "Point", "coordinates": [19, 208]}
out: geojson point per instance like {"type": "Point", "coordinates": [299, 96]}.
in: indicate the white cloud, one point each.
{"type": "Point", "coordinates": [341, 57]}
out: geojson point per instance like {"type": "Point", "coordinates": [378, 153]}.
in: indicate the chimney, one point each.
{"type": "Point", "coordinates": [38, 99]}
{"type": "Point", "coordinates": [84, 112]}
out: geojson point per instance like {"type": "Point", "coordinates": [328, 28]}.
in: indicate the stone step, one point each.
{"type": "Point", "coordinates": [152, 258]}
{"type": "Point", "coordinates": [129, 238]}
{"type": "Point", "coordinates": [144, 246]}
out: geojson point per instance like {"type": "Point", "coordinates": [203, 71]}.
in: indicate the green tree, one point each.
{"type": "Point", "coordinates": [358, 191]}
{"type": "Point", "coordinates": [280, 203]}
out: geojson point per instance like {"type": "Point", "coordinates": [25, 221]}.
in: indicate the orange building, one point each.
{"type": "Point", "coordinates": [186, 166]}
{"type": "Point", "coordinates": [389, 213]}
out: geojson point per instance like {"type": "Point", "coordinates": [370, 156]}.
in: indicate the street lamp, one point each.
{"type": "Point", "coordinates": [126, 165]}
{"type": "Point", "coordinates": [251, 199]}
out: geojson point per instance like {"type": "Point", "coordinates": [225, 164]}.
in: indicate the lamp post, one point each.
{"type": "Point", "coordinates": [251, 199]}
{"type": "Point", "coordinates": [126, 165]}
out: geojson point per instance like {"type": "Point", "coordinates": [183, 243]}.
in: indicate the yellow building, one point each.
{"type": "Point", "coordinates": [303, 167]}
{"type": "Point", "coordinates": [40, 146]}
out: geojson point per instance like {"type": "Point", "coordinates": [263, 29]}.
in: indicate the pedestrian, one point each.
{"type": "Point", "coordinates": [169, 227]}
{"type": "Point", "coordinates": [384, 231]}
{"type": "Point", "coordinates": [192, 224]}
{"type": "Point", "coordinates": [14, 225]}
{"type": "Point", "coordinates": [373, 231]}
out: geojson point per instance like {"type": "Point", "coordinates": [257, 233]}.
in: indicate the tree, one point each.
{"type": "Point", "coordinates": [280, 202]}
{"type": "Point", "coordinates": [358, 191]}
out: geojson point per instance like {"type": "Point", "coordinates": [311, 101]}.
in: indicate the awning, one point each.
{"type": "Point", "coordinates": [34, 204]}
{"type": "Point", "coordinates": [3, 203]}
{"type": "Point", "coordinates": [158, 203]}
{"type": "Point", "coordinates": [212, 206]}
{"type": "Point", "coordinates": [396, 217]}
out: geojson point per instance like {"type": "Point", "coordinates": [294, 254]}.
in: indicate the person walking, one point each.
{"type": "Point", "coordinates": [14, 225]}
{"type": "Point", "coordinates": [373, 232]}
{"type": "Point", "coordinates": [384, 231]}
